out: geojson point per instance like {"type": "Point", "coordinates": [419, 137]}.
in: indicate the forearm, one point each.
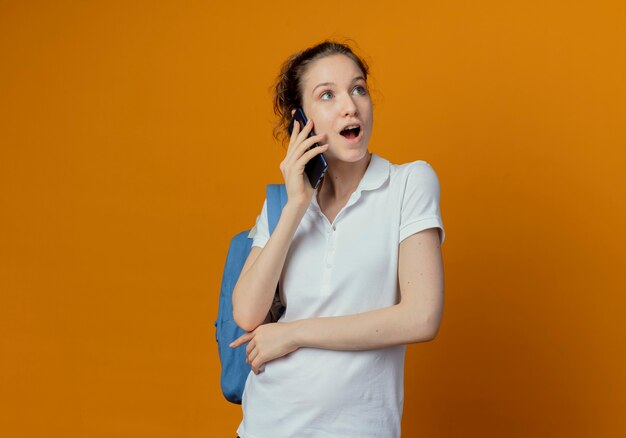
{"type": "Point", "coordinates": [255, 289]}
{"type": "Point", "coordinates": [380, 328]}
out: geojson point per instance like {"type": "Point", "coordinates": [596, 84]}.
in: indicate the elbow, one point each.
{"type": "Point", "coordinates": [245, 322]}
{"type": "Point", "coordinates": [430, 334]}
{"type": "Point", "coordinates": [431, 328]}
{"type": "Point", "coordinates": [244, 319]}
{"type": "Point", "coordinates": [424, 330]}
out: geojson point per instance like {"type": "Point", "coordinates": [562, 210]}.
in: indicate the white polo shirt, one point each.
{"type": "Point", "coordinates": [341, 268]}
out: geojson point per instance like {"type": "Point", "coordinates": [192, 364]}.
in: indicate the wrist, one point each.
{"type": "Point", "coordinates": [295, 209]}
{"type": "Point", "coordinates": [296, 331]}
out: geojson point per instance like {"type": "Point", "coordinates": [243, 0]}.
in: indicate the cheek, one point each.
{"type": "Point", "coordinates": [366, 108]}
{"type": "Point", "coordinates": [327, 127]}
{"type": "Point", "coordinates": [323, 123]}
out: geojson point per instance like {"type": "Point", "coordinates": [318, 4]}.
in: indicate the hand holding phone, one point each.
{"type": "Point", "coordinates": [316, 167]}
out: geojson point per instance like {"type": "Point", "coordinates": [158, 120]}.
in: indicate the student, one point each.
{"type": "Point", "coordinates": [358, 261]}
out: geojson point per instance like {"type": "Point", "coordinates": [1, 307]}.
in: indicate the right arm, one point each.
{"type": "Point", "coordinates": [254, 292]}
{"type": "Point", "coordinates": [255, 289]}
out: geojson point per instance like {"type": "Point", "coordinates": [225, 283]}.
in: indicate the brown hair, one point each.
{"type": "Point", "coordinates": [287, 88]}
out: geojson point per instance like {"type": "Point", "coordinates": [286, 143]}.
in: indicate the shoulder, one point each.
{"type": "Point", "coordinates": [261, 226]}
{"type": "Point", "coordinates": [419, 173]}
{"type": "Point", "coordinates": [412, 167]}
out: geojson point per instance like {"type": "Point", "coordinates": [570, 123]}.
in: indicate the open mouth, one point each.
{"type": "Point", "coordinates": [351, 132]}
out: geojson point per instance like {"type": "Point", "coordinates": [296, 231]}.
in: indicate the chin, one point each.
{"type": "Point", "coordinates": [352, 155]}
{"type": "Point", "coordinates": [347, 153]}
{"type": "Point", "coordinates": [358, 155]}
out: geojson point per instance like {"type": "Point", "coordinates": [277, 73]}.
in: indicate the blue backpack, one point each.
{"type": "Point", "coordinates": [235, 370]}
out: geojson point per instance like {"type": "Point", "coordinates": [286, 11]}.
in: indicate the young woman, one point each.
{"type": "Point", "coordinates": [358, 261]}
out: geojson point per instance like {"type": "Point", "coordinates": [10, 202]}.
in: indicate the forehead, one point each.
{"type": "Point", "coordinates": [338, 69]}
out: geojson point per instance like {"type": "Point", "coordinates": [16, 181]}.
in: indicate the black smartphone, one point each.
{"type": "Point", "coordinates": [316, 167]}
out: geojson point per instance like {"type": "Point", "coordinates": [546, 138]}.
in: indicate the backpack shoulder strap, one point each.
{"type": "Point", "coordinates": [276, 200]}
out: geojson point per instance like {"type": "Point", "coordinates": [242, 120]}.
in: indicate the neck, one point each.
{"type": "Point", "coordinates": [342, 178]}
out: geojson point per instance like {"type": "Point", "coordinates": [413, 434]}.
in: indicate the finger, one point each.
{"type": "Point", "coordinates": [248, 351]}
{"type": "Point", "coordinates": [252, 355]}
{"type": "Point", "coordinates": [308, 144]}
{"type": "Point", "coordinates": [248, 360]}
{"type": "Point", "coordinates": [294, 134]}
{"type": "Point", "coordinates": [298, 149]}
{"type": "Point", "coordinates": [306, 157]}
{"type": "Point", "coordinates": [241, 340]}
{"type": "Point", "coordinates": [305, 131]}
{"type": "Point", "coordinates": [257, 365]}
{"type": "Point", "coordinates": [250, 347]}
{"type": "Point", "coordinates": [302, 134]}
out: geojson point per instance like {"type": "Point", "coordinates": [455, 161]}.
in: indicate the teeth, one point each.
{"type": "Point", "coordinates": [351, 127]}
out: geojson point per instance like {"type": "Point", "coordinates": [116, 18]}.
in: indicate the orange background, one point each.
{"type": "Point", "coordinates": [135, 140]}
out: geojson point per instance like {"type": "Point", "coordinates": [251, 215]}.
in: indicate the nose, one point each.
{"type": "Point", "coordinates": [349, 107]}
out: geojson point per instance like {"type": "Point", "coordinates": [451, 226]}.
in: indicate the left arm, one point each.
{"type": "Point", "coordinates": [416, 318]}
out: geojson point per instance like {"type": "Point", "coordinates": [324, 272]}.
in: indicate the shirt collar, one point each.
{"type": "Point", "coordinates": [376, 174]}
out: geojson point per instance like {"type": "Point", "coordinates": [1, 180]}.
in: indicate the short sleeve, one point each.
{"type": "Point", "coordinates": [420, 204]}
{"type": "Point", "coordinates": [260, 232]}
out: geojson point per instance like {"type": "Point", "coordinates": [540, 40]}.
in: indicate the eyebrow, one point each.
{"type": "Point", "coordinates": [324, 84]}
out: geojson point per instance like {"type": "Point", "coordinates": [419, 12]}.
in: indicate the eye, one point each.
{"type": "Point", "coordinates": [326, 95]}
{"type": "Point", "coordinates": [359, 89]}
